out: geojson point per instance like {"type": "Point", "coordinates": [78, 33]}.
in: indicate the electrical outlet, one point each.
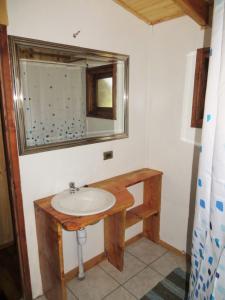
{"type": "Point", "coordinates": [107, 155]}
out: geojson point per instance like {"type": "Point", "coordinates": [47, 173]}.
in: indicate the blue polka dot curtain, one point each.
{"type": "Point", "coordinates": [207, 281]}
{"type": "Point", "coordinates": [53, 101]}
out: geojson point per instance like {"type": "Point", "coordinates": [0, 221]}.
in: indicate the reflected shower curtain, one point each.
{"type": "Point", "coordinates": [207, 281]}
{"type": "Point", "coordinates": [53, 101]}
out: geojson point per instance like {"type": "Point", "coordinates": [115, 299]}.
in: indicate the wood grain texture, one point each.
{"type": "Point", "coordinates": [12, 158]}
{"type": "Point", "coordinates": [198, 10]}
{"type": "Point", "coordinates": [144, 212]}
{"type": "Point", "coordinates": [152, 11]}
{"type": "Point", "coordinates": [71, 223]}
{"type": "Point", "coordinates": [138, 214]}
{"type": "Point", "coordinates": [6, 228]}
{"type": "Point", "coordinates": [116, 185]}
{"type": "Point", "coordinates": [200, 84]}
{"type": "Point", "coordinates": [49, 234]}
{"type": "Point", "coordinates": [152, 199]}
{"type": "Point", "coordinates": [114, 238]}
{"type": "Point", "coordinates": [132, 218]}
{"type": "Point", "coordinates": [156, 11]}
{"type": "Point", "coordinates": [3, 13]}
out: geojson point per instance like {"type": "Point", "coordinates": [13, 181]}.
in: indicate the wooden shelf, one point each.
{"type": "Point", "coordinates": [138, 214]}
{"type": "Point", "coordinates": [131, 219]}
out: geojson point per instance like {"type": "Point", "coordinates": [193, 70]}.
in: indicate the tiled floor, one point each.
{"type": "Point", "coordinates": [145, 265]}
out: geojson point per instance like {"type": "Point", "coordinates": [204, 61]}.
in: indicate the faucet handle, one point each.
{"type": "Point", "coordinates": [72, 187]}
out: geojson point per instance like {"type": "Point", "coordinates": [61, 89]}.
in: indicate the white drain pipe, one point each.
{"type": "Point", "coordinates": [81, 240]}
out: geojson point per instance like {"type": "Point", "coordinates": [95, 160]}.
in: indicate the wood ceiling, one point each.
{"type": "Point", "coordinates": [156, 11]}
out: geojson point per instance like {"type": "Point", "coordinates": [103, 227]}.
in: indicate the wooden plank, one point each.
{"type": "Point", "coordinates": [139, 213]}
{"type": "Point", "coordinates": [49, 234]}
{"type": "Point", "coordinates": [134, 12]}
{"type": "Point", "coordinates": [123, 200]}
{"type": "Point", "coordinates": [152, 198]}
{"type": "Point", "coordinates": [114, 237]}
{"type": "Point", "coordinates": [152, 11]}
{"type": "Point", "coordinates": [6, 228]}
{"type": "Point", "coordinates": [3, 13]}
{"type": "Point", "coordinates": [12, 158]}
{"type": "Point", "coordinates": [127, 179]}
{"type": "Point", "coordinates": [116, 185]}
{"type": "Point", "coordinates": [198, 10]}
{"type": "Point", "coordinates": [151, 228]}
{"type": "Point", "coordinates": [144, 211]}
{"type": "Point", "coordinates": [200, 84]}
{"type": "Point", "coordinates": [155, 11]}
{"type": "Point", "coordinates": [131, 219]}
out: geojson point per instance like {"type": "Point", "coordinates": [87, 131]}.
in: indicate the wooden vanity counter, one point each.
{"type": "Point", "coordinates": [49, 225]}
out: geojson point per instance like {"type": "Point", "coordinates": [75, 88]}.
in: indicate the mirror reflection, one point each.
{"type": "Point", "coordinates": [104, 92]}
{"type": "Point", "coordinates": [67, 95]}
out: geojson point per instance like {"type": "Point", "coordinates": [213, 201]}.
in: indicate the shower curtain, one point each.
{"type": "Point", "coordinates": [207, 281]}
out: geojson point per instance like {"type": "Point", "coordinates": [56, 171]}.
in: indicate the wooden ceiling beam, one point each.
{"type": "Point", "coordinates": [198, 10]}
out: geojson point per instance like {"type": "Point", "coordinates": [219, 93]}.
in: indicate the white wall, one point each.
{"type": "Point", "coordinates": [171, 140]}
{"type": "Point", "coordinates": [106, 26]}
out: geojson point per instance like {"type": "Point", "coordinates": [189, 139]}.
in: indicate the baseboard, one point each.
{"type": "Point", "coordinates": [97, 259]}
{"type": "Point", "coordinates": [134, 239]}
{"type": "Point", "coordinates": [173, 249]}
{"type": "Point", "coordinates": [6, 245]}
{"type": "Point", "coordinates": [87, 266]}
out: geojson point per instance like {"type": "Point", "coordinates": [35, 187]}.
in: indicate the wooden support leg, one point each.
{"type": "Point", "coordinates": [152, 199]}
{"type": "Point", "coordinates": [151, 228]}
{"type": "Point", "coordinates": [49, 235]}
{"type": "Point", "coordinates": [114, 235]}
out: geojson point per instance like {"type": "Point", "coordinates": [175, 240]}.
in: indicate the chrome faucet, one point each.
{"type": "Point", "coordinates": [73, 188]}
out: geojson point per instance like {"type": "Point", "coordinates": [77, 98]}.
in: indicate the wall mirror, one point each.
{"type": "Point", "coordinates": [66, 96]}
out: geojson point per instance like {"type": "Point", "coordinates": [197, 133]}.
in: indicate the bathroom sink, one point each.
{"type": "Point", "coordinates": [86, 201]}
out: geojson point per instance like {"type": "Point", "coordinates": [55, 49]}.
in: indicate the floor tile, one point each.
{"type": "Point", "coordinates": [168, 262]}
{"type": "Point", "coordinates": [146, 251]}
{"type": "Point", "coordinates": [143, 282]}
{"type": "Point", "coordinates": [41, 298]}
{"type": "Point", "coordinates": [131, 267]}
{"type": "Point", "coordinates": [96, 285]}
{"type": "Point", "coordinates": [120, 294]}
{"type": "Point", "coordinates": [70, 296]}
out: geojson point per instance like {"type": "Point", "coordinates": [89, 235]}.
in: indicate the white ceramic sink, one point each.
{"type": "Point", "coordinates": [86, 201]}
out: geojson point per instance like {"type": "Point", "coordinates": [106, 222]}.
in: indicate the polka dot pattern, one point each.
{"type": "Point", "coordinates": [57, 85]}
{"type": "Point", "coordinates": [207, 280]}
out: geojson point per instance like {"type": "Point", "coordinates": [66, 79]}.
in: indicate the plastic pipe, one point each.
{"type": "Point", "coordinates": [81, 240]}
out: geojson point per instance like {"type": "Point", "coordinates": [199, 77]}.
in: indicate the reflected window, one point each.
{"type": "Point", "coordinates": [101, 91]}
{"type": "Point", "coordinates": [104, 92]}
